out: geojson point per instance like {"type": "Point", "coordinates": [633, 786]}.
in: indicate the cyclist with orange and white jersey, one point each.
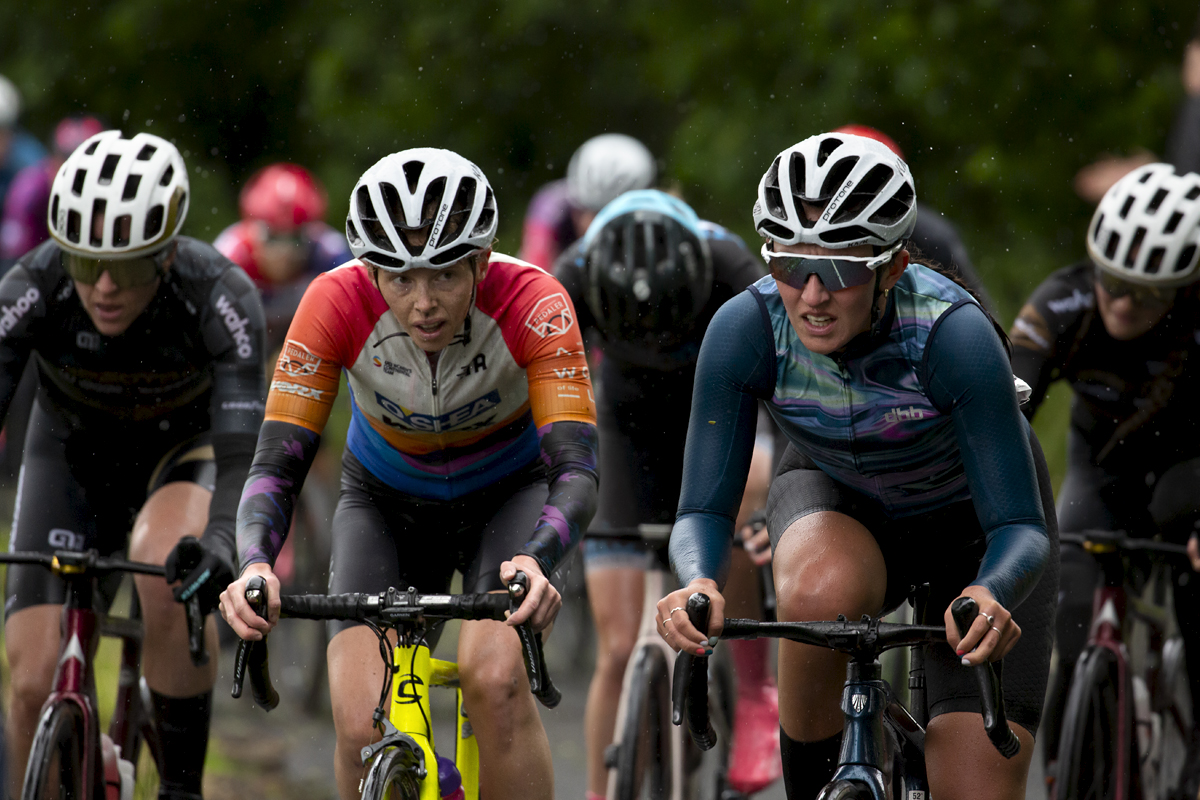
{"type": "Point", "coordinates": [472, 445]}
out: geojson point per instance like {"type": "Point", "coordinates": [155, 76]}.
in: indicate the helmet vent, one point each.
{"type": "Point", "coordinates": [837, 176]}
{"type": "Point", "coordinates": [154, 222]}
{"type": "Point", "coordinates": [487, 216]}
{"type": "Point", "coordinates": [121, 228]}
{"type": "Point", "coordinates": [73, 226]}
{"type": "Point", "coordinates": [131, 187]}
{"type": "Point", "coordinates": [145, 153]}
{"type": "Point", "coordinates": [393, 206]}
{"type": "Point", "coordinates": [1114, 241]}
{"type": "Point", "coordinates": [826, 149]}
{"type": "Point", "coordinates": [387, 262]}
{"type": "Point", "coordinates": [849, 233]}
{"type": "Point", "coordinates": [91, 148]}
{"type": "Point", "coordinates": [167, 175]}
{"type": "Point", "coordinates": [370, 221]}
{"type": "Point", "coordinates": [1154, 263]}
{"type": "Point", "coordinates": [774, 230]}
{"type": "Point", "coordinates": [896, 207]}
{"type": "Point", "coordinates": [1156, 201]}
{"type": "Point", "coordinates": [108, 168]}
{"type": "Point", "coordinates": [77, 184]}
{"type": "Point", "coordinates": [460, 211]}
{"type": "Point", "coordinates": [1138, 236]}
{"type": "Point", "coordinates": [1193, 193]}
{"type": "Point", "coordinates": [352, 234]}
{"type": "Point", "coordinates": [54, 210]}
{"type": "Point", "coordinates": [1145, 177]}
{"type": "Point", "coordinates": [1173, 222]}
{"type": "Point", "coordinates": [1185, 258]}
{"type": "Point", "coordinates": [433, 200]}
{"type": "Point", "coordinates": [412, 174]}
{"type": "Point", "coordinates": [796, 174]}
{"type": "Point", "coordinates": [96, 234]}
{"type": "Point", "coordinates": [453, 254]}
{"type": "Point", "coordinates": [864, 193]}
{"type": "Point", "coordinates": [1128, 204]}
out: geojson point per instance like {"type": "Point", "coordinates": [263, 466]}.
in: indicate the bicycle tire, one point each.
{"type": "Point", "coordinates": [1173, 708]}
{"type": "Point", "coordinates": [1088, 750]}
{"type": "Point", "coordinates": [55, 767]}
{"type": "Point", "coordinates": [846, 790]}
{"type": "Point", "coordinates": [393, 776]}
{"type": "Point", "coordinates": [643, 762]}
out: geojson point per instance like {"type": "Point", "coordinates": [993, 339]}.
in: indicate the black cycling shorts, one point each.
{"type": "Point", "coordinates": [383, 537]}
{"type": "Point", "coordinates": [954, 534]}
{"type": "Point", "coordinates": [82, 490]}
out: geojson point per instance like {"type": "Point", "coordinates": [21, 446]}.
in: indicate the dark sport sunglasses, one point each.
{"type": "Point", "coordinates": [835, 274]}
{"type": "Point", "coordinates": [1145, 296]}
{"type": "Point", "coordinates": [126, 273]}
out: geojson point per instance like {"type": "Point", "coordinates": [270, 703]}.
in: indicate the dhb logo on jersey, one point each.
{"type": "Point", "coordinates": [551, 316]}
{"type": "Point", "coordinates": [427, 422]}
{"type": "Point", "coordinates": [11, 315]}
{"type": "Point", "coordinates": [236, 326]}
{"type": "Point", "coordinates": [904, 415]}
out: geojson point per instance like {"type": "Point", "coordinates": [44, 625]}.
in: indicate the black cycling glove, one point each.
{"type": "Point", "coordinates": [201, 571]}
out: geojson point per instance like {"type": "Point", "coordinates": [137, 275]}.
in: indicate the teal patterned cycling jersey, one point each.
{"type": "Point", "coordinates": [864, 415]}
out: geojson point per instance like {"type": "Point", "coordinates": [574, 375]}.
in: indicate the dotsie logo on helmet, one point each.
{"type": "Point", "coordinates": [551, 316]}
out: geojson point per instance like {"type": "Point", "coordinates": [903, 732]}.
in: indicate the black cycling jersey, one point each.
{"type": "Point", "coordinates": [1135, 401]}
{"type": "Point", "coordinates": [937, 239]}
{"type": "Point", "coordinates": [191, 361]}
{"type": "Point", "coordinates": [1183, 145]}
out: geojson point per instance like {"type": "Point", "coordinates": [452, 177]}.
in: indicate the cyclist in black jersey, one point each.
{"type": "Point", "coordinates": [1122, 328]}
{"type": "Point", "coordinates": [646, 279]}
{"type": "Point", "coordinates": [148, 347]}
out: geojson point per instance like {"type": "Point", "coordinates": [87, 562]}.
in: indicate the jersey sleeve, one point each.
{"type": "Point", "coordinates": [968, 376]}
{"type": "Point", "coordinates": [570, 270]}
{"type": "Point", "coordinates": [542, 332]}
{"type": "Point", "coordinates": [22, 306]}
{"type": "Point", "coordinates": [1043, 329]}
{"type": "Point", "coordinates": [319, 344]}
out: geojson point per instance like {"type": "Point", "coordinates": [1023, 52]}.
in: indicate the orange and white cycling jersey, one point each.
{"type": "Point", "coordinates": [441, 431]}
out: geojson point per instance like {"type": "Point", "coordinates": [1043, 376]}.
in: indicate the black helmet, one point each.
{"type": "Point", "coordinates": [649, 269]}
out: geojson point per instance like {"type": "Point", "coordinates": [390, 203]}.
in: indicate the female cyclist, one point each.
{"type": "Point", "coordinates": [467, 451]}
{"type": "Point", "coordinates": [910, 463]}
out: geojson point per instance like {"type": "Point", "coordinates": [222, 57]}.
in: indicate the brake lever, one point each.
{"type": "Point", "coordinates": [531, 646]}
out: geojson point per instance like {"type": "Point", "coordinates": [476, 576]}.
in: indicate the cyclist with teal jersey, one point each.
{"type": "Point", "coordinates": [908, 463]}
{"type": "Point", "coordinates": [647, 278]}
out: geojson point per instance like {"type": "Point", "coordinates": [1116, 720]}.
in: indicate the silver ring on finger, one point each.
{"type": "Point", "coordinates": [991, 620]}
{"type": "Point", "coordinates": [997, 630]}
{"type": "Point", "coordinates": [673, 610]}
{"type": "Point", "coordinates": [665, 621]}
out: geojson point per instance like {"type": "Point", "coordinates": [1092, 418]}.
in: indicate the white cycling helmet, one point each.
{"type": "Point", "coordinates": [421, 189]}
{"type": "Point", "coordinates": [10, 103]}
{"type": "Point", "coordinates": [119, 198]}
{"type": "Point", "coordinates": [865, 190]}
{"type": "Point", "coordinates": [605, 167]}
{"type": "Point", "coordinates": [1147, 227]}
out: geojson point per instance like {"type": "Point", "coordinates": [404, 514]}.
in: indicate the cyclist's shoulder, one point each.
{"type": "Point", "coordinates": [341, 306]}
{"type": "Point", "coordinates": [1066, 293]}
{"type": "Point", "coordinates": [528, 304]}
{"type": "Point", "coordinates": [549, 205]}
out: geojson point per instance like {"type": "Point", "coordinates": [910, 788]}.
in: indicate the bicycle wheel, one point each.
{"type": "Point", "coordinates": [55, 769]}
{"type": "Point", "coordinates": [644, 756]}
{"type": "Point", "coordinates": [1097, 756]}
{"type": "Point", "coordinates": [393, 776]}
{"type": "Point", "coordinates": [846, 790]}
{"type": "Point", "coordinates": [1173, 708]}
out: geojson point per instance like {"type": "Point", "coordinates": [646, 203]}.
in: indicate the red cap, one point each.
{"type": "Point", "coordinates": [285, 196]}
{"type": "Point", "coordinates": [871, 133]}
{"type": "Point", "coordinates": [74, 131]}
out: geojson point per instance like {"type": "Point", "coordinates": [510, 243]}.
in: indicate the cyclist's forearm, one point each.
{"type": "Point", "coordinates": [701, 544]}
{"type": "Point", "coordinates": [1015, 558]}
{"type": "Point", "coordinates": [284, 455]}
{"type": "Point", "coordinates": [569, 452]}
{"type": "Point", "coordinates": [233, 453]}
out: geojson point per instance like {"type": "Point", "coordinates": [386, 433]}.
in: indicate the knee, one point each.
{"type": "Point", "coordinates": [614, 652]}
{"type": "Point", "coordinates": [493, 681]}
{"type": "Point", "coordinates": [354, 731]}
{"type": "Point", "coordinates": [806, 597]}
{"type": "Point", "coordinates": [32, 678]}
{"type": "Point", "coordinates": [159, 609]}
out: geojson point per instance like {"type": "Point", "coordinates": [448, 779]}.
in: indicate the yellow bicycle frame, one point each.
{"type": "Point", "coordinates": [417, 670]}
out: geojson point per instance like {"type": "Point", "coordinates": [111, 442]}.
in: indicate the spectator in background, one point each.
{"type": "Point", "coordinates": [934, 235]}
{"type": "Point", "coordinates": [28, 199]}
{"type": "Point", "coordinates": [17, 148]}
{"type": "Point", "coordinates": [282, 241]}
{"type": "Point", "coordinates": [604, 167]}
{"type": "Point", "coordinates": [1183, 143]}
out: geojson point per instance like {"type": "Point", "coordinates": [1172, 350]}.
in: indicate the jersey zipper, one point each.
{"type": "Point", "coordinates": [844, 374]}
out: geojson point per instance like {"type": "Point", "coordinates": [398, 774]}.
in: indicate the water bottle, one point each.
{"type": "Point", "coordinates": [449, 780]}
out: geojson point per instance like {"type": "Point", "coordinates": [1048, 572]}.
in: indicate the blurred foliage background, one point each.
{"type": "Point", "coordinates": [997, 103]}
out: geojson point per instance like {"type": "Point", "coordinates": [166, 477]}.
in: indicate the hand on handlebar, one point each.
{"type": "Point", "coordinates": [541, 603]}
{"type": "Point", "coordinates": [756, 541]}
{"type": "Point", "coordinates": [201, 570]}
{"type": "Point", "coordinates": [672, 619]}
{"type": "Point", "coordinates": [987, 640]}
{"type": "Point", "coordinates": [238, 613]}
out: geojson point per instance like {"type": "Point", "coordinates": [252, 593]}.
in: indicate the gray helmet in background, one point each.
{"type": "Point", "coordinates": [607, 166]}
{"type": "Point", "coordinates": [10, 103]}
